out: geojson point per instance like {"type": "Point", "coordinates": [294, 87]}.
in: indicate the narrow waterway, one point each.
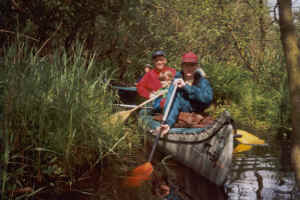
{"type": "Point", "coordinates": [263, 172]}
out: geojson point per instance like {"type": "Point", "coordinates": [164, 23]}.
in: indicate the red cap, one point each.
{"type": "Point", "coordinates": [189, 57]}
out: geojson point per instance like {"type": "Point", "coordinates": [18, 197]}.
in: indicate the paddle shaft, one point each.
{"type": "Point", "coordinates": [163, 121]}
{"type": "Point", "coordinates": [129, 106]}
{"type": "Point", "coordinates": [145, 102]}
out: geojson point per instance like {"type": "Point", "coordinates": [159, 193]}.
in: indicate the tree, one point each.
{"type": "Point", "coordinates": [292, 54]}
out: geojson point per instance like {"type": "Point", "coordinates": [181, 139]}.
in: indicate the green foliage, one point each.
{"type": "Point", "coordinates": [53, 106]}
{"type": "Point", "coordinates": [53, 114]}
{"type": "Point", "coordinates": [262, 103]}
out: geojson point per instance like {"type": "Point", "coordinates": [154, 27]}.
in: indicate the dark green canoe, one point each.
{"type": "Point", "coordinates": [128, 95]}
{"type": "Point", "coordinates": [208, 151]}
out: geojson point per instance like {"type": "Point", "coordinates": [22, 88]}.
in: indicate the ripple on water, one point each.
{"type": "Point", "coordinates": [262, 173]}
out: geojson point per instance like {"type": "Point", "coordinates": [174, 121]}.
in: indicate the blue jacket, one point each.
{"type": "Point", "coordinates": [194, 98]}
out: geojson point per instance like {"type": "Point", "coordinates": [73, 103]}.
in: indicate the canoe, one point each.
{"type": "Point", "coordinates": [128, 95]}
{"type": "Point", "coordinates": [207, 151]}
{"type": "Point", "coordinates": [124, 88]}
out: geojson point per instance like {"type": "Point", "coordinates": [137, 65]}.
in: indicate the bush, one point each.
{"type": "Point", "coordinates": [255, 100]}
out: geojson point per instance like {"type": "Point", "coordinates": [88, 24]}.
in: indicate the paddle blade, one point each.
{"type": "Point", "coordinates": [139, 175]}
{"type": "Point", "coordinates": [118, 117]}
{"type": "Point", "coordinates": [241, 148]}
{"type": "Point", "coordinates": [248, 138]}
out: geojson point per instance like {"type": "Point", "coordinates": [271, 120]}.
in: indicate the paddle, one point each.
{"type": "Point", "coordinates": [248, 138]}
{"type": "Point", "coordinates": [241, 148]}
{"type": "Point", "coordinates": [123, 115]}
{"type": "Point", "coordinates": [143, 172]}
{"type": "Point", "coordinates": [130, 106]}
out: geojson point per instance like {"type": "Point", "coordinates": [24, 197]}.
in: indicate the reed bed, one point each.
{"type": "Point", "coordinates": [52, 113]}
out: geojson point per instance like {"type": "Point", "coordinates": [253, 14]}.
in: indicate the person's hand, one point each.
{"type": "Point", "coordinates": [157, 93]}
{"type": "Point", "coordinates": [164, 128]}
{"type": "Point", "coordinates": [152, 94]}
{"type": "Point", "coordinates": [179, 82]}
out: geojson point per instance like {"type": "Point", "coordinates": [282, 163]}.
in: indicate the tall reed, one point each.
{"type": "Point", "coordinates": [52, 114]}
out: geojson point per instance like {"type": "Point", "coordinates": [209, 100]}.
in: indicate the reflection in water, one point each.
{"type": "Point", "coordinates": [263, 173]}
{"type": "Point", "coordinates": [196, 187]}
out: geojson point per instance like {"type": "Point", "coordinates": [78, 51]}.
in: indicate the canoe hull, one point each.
{"type": "Point", "coordinates": [208, 153]}
{"type": "Point", "coordinates": [211, 158]}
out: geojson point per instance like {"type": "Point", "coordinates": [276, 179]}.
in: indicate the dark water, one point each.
{"type": "Point", "coordinates": [264, 172]}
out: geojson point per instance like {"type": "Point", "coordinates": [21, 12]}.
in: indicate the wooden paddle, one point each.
{"type": "Point", "coordinates": [122, 116]}
{"type": "Point", "coordinates": [248, 138]}
{"type": "Point", "coordinates": [143, 172]}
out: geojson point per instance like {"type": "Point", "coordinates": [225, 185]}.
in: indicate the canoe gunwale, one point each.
{"type": "Point", "coordinates": [223, 120]}
{"type": "Point", "coordinates": [190, 138]}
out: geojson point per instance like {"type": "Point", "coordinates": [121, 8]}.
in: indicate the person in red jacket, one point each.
{"type": "Point", "coordinates": [150, 81]}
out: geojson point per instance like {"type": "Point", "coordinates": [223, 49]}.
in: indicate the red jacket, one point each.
{"type": "Point", "coordinates": [150, 82]}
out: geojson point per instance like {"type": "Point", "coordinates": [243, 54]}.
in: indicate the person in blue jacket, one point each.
{"type": "Point", "coordinates": [194, 93]}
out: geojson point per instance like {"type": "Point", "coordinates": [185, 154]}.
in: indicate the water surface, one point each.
{"type": "Point", "coordinates": [264, 172]}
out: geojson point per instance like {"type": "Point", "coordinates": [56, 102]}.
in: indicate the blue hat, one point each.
{"type": "Point", "coordinates": [158, 53]}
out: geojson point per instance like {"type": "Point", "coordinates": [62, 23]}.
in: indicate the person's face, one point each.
{"type": "Point", "coordinates": [147, 69]}
{"type": "Point", "coordinates": [164, 84]}
{"type": "Point", "coordinates": [159, 62]}
{"type": "Point", "coordinates": [189, 70]}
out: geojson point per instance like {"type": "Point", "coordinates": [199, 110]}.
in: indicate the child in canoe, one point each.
{"type": "Point", "coordinates": [165, 79]}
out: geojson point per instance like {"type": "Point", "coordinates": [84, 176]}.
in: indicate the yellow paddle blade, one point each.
{"type": "Point", "coordinates": [139, 175]}
{"type": "Point", "coordinates": [248, 138]}
{"type": "Point", "coordinates": [241, 148]}
{"type": "Point", "coordinates": [118, 117]}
